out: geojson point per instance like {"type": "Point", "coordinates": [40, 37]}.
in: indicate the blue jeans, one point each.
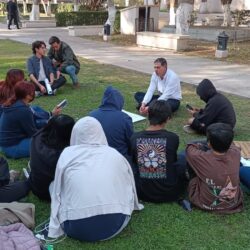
{"type": "Point", "coordinates": [96, 228]}
{"type": "Point", "coordinates": [21, 150]}
{"type": "Point", "coordinates": [72, 71]}
{"type": "Point", "coordinates": [139, 96]}
{"type": "Point", "coordinates": [41, 116]}
{"type": "Point", "coordinates": [245, 176]}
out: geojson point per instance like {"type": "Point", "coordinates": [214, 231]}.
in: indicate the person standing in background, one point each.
{"type": "Point", "coordinates": [12, 13]}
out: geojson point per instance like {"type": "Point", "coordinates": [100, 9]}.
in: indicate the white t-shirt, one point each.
{"type": "Point", "coordinates": [41, 76]}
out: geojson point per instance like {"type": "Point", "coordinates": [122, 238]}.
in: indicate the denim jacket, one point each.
{"type": "Point", "coordinates": [33, 66]}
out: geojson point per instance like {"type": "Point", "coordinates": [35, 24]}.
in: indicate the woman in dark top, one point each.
{"type": "Point", "coordinates": [46, 147]}
{"type": "Point", "coordinates": [17, 123]}
{"type": "Point", "coordinates": [159, 176]}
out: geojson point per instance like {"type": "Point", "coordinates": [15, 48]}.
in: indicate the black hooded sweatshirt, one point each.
{"type": "Point", "coordinates": [218, 108]}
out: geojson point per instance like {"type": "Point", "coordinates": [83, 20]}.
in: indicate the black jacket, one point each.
{"type": "Point", "coordinates": [11, 8]}
{"type": "Point", "coordinates": [218, 108]}
{"type": "Point", "coordinates": [43, 160]}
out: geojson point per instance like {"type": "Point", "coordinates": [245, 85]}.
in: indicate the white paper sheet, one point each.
{"type": "Point", "coordinates": [135, 117]}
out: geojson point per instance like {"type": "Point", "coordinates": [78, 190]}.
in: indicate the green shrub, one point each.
{"type": "Point", "coordinates": [117, 22]}
{"type": "Point", "coordinates": [61, 7]}
{"type": "Point", "coordinates": [65, 7]}
{"type": "Point", "coordinates": [81, 18]}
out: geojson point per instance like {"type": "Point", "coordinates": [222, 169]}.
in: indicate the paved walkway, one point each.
{"type": "Point", "coordinates": [230, 78]}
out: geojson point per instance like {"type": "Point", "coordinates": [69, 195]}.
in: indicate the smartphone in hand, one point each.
{"type": "Point", "coordinates": [189, 107]}
{"type": "Point", "coordinates": [62, 104]}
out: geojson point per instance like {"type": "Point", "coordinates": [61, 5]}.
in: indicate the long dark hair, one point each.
{"type": "Point", "coordinates": [21, 90]}
{"type": "Point", "coordinates": [56, 134]}
{"type": "Point", "coordinates": [7, 86]}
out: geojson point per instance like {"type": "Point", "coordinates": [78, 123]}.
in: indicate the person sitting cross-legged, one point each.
{"type": "Point", "coordinates": [40, 70]}
{"type": "Point", "coordinates": [215, 186]}
{"type": "Point", "coordinates": [218, 109]}
{"type": "Point", "coordinates": [166, 82]}
{"type": "Point", "coordinates": [159, 176]}
{"type": "Point", "coordinates": [117, 125]}
{"type": "Point", "coordinates": [93, 194]}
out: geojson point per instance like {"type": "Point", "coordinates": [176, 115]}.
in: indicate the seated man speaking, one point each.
{"type": "Point", "coordinates": [166, 82]}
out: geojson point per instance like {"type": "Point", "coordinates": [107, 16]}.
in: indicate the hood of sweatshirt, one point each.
{"type": "Point", "coordinates": [112, 99]}
{"type": "Point", "coordinates": [88, 131]}
{"type": "Point", "coordinates": [14, 106]}
{"type": "Point", "coordinates": [206, 90]}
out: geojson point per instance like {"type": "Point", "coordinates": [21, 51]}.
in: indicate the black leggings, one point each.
{"type": "Point", "coordinates": [14, 191]}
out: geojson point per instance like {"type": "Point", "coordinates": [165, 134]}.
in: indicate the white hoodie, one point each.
{"type": "Point", "coordinates": [91, 179]}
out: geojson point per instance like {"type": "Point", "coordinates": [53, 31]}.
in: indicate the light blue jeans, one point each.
{"type": "Point", "coordinates": [21, 150]}
{"type": "Point", "coordinates": [72, 71]}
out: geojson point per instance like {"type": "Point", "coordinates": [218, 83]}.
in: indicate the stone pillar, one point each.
{"type": "Point", "coordinates": [183, 16]}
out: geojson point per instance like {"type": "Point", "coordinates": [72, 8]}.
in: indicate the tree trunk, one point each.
{"type": "Point", "coordinates": [111, 13]}
{"type": "Point", "coordinates": [183, 14]}
{"type": "Point", "coordinates": [24, 7]}
{"type": "Point", "coordinates": [227, 14]}
{"type": "Point", "coordinates": [44, 7]}
{"type": "Point", "coordinates": [76, 5]}
{"type": "Point", "coordinates": [172, 13]}
{"type": "Point", "coordinates": [48, 8]}
{"type": "Point", "coordinates": [35, 13]}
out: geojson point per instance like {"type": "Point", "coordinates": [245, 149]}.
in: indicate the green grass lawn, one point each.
{"type": "Point", "coordinates": [161, 226]}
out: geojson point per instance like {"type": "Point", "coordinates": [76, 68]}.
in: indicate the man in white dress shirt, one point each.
{"type": "Point", "coordinates": [166, 82]}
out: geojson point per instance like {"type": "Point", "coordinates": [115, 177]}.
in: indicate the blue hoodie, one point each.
{"type": "Point", "coordinates": [117, 126]}
{"type": "Point", "coordinates": [16, 124]}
